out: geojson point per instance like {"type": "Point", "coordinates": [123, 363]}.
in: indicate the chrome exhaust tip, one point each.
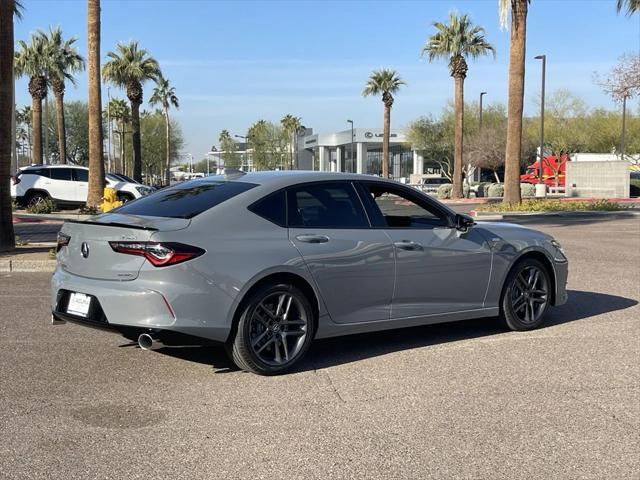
{"type": "Point", "coordinates": [146, 342]}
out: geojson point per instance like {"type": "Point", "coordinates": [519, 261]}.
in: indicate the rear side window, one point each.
{"type": "Point", "coordinates": [327, 205]}
{"type": "Point", "coordinates": [272, 208]}
{"type": "Point", "coordinates": [185, 200]}
{"type": "Point", "coordinates": [80, 175]}
{"type": "Point", "coordinates": [42, 172]}
{"type": "Point", "coordinates": [60, 173]}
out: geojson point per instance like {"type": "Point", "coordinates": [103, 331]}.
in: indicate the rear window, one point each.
{"type": "Point", "coordinates": [185, 200]}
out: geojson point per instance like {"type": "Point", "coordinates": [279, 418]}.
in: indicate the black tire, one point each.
{"type": "Point", "coordinates": [265, 330]}
{"type": "Point", "coordinates": [525, 295]}
{"type": "Point", "coordinates": [33, 198]}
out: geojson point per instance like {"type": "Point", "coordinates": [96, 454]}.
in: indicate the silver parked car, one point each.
{"type": "Point", "coordinates": [266, 262]}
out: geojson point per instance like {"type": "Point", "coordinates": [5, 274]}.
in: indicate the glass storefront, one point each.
{"type": "Point", "coordinates": [400, 161]}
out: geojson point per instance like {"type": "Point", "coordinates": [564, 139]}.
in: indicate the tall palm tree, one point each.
{"type": "Point", "coordinates": [32, 60]}
{"type": "Point", "coordinates": [120, 113]}
{"type": "Point", "coordinates": [457, 41]}
{"type": "Point", "coordinates": [631, 6]}
{"type": "Point", "coordinates": [7, 12]}
{"type": "Point", "coordinates": [517, 51]}
{"type": "Point", "coordinates": [96, 160]}
{"type": "Point", "coordinates": [385, 82]}
{"type": "Point", "coordinates": [129, 67]}
{"type": "Point", "coordinates": [291, 125]}
{"type": "Point", "coordinates": [64, 62]}
{"type": "Point", "coordinates": [165, 96]}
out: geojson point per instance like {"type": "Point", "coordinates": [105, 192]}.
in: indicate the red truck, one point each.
{"type": "Point", "coordinates": [551, 168]}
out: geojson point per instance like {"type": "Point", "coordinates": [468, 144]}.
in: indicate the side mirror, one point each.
{"type": "Point", "coordinates": [464, 222]}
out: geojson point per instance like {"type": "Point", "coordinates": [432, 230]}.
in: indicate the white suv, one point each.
{"type": "Point", "coordinates": [65, 185]}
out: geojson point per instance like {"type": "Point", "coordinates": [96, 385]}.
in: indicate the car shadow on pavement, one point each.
{"type": "Point", "coordinates": [340, 350]}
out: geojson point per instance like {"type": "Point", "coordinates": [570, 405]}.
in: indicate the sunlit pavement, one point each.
{"type": "Point", "coordinates": [464, 400]}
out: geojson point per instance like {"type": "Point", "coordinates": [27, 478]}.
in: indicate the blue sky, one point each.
{"type": "Point", "coordinates": [233, 62]}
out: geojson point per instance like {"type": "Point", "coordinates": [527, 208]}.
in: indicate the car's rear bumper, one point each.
{"type": "Point", "coordinates": [137, 306]}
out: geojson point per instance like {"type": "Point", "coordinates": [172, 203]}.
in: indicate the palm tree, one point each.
{"type": "Point", "coordinates": [165, 95]}
{"type": "Point", "coordinates": [129, 67]}
{"type": "Point", "coordinates": [457, 41]}
{"type": "Point", "coordinates": [119, 111]}
{"type": "Point", "coordinates": [32, 60]}
{"type": "Point", "coordinates": [96, 161]}
{"type": "Point", "coordinates": [631, 6]}
{"type": "Point", "coordinates": [385, 82]}
{"type": "Point", "coordinates": [7, 12]}
{"type": "Point", "coordinates": [515, 107]}
{"type": "Point", "coordinates": [64, 62]}
{"type": "Point", "coordinates": [291, 125]}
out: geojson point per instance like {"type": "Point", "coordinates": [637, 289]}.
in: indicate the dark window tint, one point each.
{"type": "Point", "coordinates": [402, 209]}
{"type": "Point", "coordinates": [272, 208]}
{"type": "Point", "coordinates": [60, 173]}
{"type": "Point", "coordinates": [185, 200]}
{"type": "Point", "coordinates": [43, 172]}
{"type": "Point", "coordinates": [80, 175]}
{"type": "Point", "coordinates": [328, 205]}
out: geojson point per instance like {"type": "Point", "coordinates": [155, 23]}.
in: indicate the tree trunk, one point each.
{"type": "Point", "coordinates": [456, 191]}
{"type": "Point", "coordinates": [516, 99]}
{"type": "Point", "coordinates": [96, 162]}
{"type": "Point", "coordinates": [36, 121]}
{"type": "Point", "coordinates": [168, 134]}
{"type": "Point", "coordinates": [385, 142]}
{"type": "Point", "coordinates": [135, 140]}
{"type": "Point", "coordinates": [7, 236]}
{"type": "Point", "coordinates": [62, 135]}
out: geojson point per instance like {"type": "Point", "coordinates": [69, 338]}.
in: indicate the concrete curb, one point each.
{"type": "Point", "coordinates": [55, 217]}
{"type": "Point", "coordinates": [11, 265]}
{"type": "Point", "coordinates": [583, 213]}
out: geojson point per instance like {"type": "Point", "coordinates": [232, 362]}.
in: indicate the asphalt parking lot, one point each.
{"type": "Point", "coordinates": [464, 400]}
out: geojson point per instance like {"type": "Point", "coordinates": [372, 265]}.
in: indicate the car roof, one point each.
{"type": "Point", "coordinates": [283, 178]}
{"type": "Point", "coordinates": [33, 167]}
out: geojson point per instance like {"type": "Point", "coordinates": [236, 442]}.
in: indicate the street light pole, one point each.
{"type": "Point", "coordinates": [624, 121]}
{"type": "Point", "coordinates": [109, 129]}
{"type": "Point", "coordinates": [481, 95]}
{"type": "Point", "coordinates": [541, 189]}
{"type": "Point", "coordinates": [351, 153]}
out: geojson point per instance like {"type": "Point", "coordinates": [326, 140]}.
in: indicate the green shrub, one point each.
{"type": "Point", "coordinates": [444, 191]}
{"type": "Point", "coordinates": [495, 190]}
{"type": "Point", "coordinates": [45, 206]}
{"type": "Point", "coordinates": [527, 190]}
{"type": "Point", "coordinates": [551, 206]}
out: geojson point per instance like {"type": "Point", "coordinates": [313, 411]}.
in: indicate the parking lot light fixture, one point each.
{"type": "Point", "coordinates": [541, 169]}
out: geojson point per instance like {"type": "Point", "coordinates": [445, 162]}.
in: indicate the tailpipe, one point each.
{"type": "Point", "coordinates": [147, 342]}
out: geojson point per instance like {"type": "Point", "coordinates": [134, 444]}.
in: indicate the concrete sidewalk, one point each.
{"type": "Point", "coordinates": [29, 258]}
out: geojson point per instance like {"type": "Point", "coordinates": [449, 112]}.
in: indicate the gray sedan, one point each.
{"type": "Point", "coordinates": [266, 262]}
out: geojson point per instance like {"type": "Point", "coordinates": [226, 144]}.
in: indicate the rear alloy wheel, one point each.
{"type": "Point", "coordinates": [274, 331]}
{"type": "Point", "coordinates": [526, 295]}
{"type": "Point", "coordinates": [36, 199]}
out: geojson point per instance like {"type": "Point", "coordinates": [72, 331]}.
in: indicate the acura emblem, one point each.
{"type": "Point", "coordinates": [84, 249]}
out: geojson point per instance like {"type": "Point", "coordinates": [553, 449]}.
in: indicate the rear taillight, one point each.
{"type": "Point", "coordinates": [15, 180]}
{"type": "Point", "coordinates": [159, 254]}
{"type": "Point", "coordinates": [63, 241]}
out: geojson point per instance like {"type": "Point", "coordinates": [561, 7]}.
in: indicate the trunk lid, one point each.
{"type": "Point", "coordinates": [89, 254]}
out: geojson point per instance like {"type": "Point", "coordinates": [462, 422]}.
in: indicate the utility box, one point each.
{"type": "Point", "coordinates": [599, 179]}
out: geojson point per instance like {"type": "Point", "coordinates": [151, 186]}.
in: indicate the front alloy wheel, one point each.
{"type": "Point", "coordinates": [274, 331]}
{"type": "Point", "coordinates": [526, 295]}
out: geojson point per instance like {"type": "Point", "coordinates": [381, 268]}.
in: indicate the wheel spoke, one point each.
{"type": "Point", "coordinates": [297, 321]}
{"type": "Point", "coordinates": [535, 275]}
{"type": "Point", "coordinates": [519, 303]}
{"type": "Point", "coordinates": [260, 337]}
{"type": "Point", "coordinates": [268, 342]}
{"type": "Point", "coordinates": [521, 282]}
{"type": "Point", "coordinates": [267, 311]}
{"type": "Point", "coordinates": [285, 315]}
{"type": "Point", "coordinates": [294, 333]}
{"type": "Point", "coordinates": [285, 347]}
{"type": "Point", "coordinates": [276, 347]}
{"type": "Point", "coordinates": [538, 300]}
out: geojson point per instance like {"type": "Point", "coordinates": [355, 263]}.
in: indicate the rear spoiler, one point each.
{"type": "Point", "coordinates": [113, 224]}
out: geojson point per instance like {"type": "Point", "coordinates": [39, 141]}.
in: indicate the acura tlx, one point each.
{"type": "Point", "coordinates": [265, 262]}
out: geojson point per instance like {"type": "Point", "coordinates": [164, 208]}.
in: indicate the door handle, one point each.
{"type": "Point", "coordinates": [308, 238]}
{"type": "Point", "coordinates": [408, 245]}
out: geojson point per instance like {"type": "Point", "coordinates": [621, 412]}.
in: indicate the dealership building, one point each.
{"type": "Point", "coordinates": [361, 153]}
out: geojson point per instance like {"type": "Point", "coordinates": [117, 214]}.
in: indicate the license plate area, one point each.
{"type": "Point", "coordinates": [79, 304]}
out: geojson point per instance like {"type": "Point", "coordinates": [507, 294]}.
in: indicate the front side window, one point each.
{"type": "Point", "coordinates": [399, 209]}
{"type": "Point", "coordinates": [325, 205]}
{"type": "Point", "coordinates": [80, 175]}
{"type": "Point", "coordinates": [185, 200]}
{"type": "Point", "coordinates": [60, 174]}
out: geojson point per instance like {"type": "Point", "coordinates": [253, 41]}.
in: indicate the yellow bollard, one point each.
{"type": "Point", "coordinates": [110, 199]}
